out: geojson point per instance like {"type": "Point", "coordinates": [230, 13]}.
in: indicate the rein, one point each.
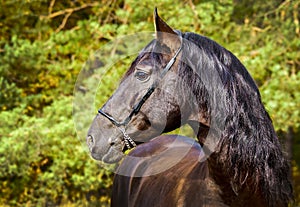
{"type": "Point", "coordinates": [127, 139]}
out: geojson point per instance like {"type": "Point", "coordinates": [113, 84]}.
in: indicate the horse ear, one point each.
{"type": "Point", "coordinates": [164, 33]}
{"type": "Point", "coordinates": [160, 25]}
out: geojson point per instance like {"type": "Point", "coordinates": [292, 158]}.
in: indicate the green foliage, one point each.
{"type": "Point", "coordinates": [42, 161]}
{"type": "Point", "coordinates": [44, 45]}
{"type": "Point", "coordinates": [10, 94]}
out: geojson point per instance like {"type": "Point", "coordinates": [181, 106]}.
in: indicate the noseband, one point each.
{"type": "Point", "coordinates": [129, 141]}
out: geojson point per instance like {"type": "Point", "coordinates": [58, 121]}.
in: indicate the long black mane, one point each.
{"type": "Point", "coordinates": [248, 146]}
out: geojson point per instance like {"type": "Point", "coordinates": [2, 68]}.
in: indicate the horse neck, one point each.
{"type": "Point", "coordinates": [248, 181]}
{"type": "Point", "coordinates": [249, 190]}
{"type": "Point", "coordinates": [241, 185]}
{"type": "Point", "coordinates": [231, 194]}
{"type": "Point", "coordinates": [246, 150]}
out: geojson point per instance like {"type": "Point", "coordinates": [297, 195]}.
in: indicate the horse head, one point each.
{"type": "Point", "coordinates": [147, 102]}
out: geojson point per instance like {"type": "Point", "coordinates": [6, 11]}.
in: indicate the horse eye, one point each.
{"type": "Point", "coordinates": [141, 75]}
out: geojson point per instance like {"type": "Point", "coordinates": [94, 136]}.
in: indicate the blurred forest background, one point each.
{"type": "Point", "coordinates": [44, 45]}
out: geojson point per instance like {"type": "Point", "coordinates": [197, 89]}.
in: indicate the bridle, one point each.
{"type": "Point", "coordinates": [127, 139]}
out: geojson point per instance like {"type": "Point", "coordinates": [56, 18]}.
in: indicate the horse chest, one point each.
{"type": "Point", "coordinates": [165, 190]}
{"type": "Point", "coordinates": [186, 183]}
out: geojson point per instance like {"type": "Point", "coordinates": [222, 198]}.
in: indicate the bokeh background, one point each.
{"type": "Point", "coordinates": [44, 44]}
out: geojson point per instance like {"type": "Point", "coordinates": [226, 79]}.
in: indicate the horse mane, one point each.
{"type": "Point", "coordinates": [248, 146]}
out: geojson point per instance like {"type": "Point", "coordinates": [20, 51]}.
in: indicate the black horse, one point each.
{"type": "Point", "coordinates": [184, 78]}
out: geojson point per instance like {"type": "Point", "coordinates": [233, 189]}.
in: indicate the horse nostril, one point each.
{"type": "Point", "coordinates": [90, 140]}
{"type": "Point", "coordinates": [112, 143]}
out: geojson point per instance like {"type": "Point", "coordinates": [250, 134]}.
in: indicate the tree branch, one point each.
{"type": "Point", "coordinates": [196, 15]}
{"type": "Point", "coordinates": [296, 20]}
{"type": "Point", "coordinates": [63, 23]}
{"type": "Point", "coordinates": [51, 7]}
{"type": "Point", "coordinates": [69, 10]}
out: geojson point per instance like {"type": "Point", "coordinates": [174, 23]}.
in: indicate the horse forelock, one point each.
{"type": "Point", "coordinates": [153, 51]}
{"type": "Point", "coordinates": [248, 147]}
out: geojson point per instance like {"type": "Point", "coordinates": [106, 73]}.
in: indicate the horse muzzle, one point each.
{"type": "Point", "coordinates": [108, 151]}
